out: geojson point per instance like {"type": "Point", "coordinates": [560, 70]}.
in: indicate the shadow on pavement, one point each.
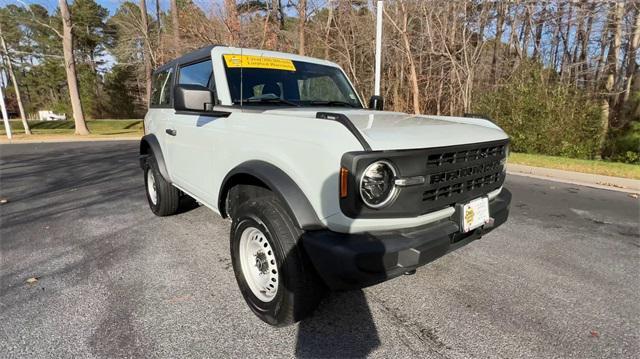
{"type": "Point", "coordinates": [342, 327]}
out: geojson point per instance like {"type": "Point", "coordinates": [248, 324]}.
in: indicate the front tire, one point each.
{"type": "Point", "coordinates": [273, 272]}
{"type": "Point", "coordinates": [163, 198]}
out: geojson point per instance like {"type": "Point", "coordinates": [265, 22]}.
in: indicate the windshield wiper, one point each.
{"type": "Point", "coordinates": [332, 103]}
{"type": "Point", "coordinates": [268, 100]}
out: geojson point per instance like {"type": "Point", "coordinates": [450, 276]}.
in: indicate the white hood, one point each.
{"type": "Point", "coordinates": [396, 130]}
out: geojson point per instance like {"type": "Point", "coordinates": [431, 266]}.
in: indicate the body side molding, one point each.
{"type": "Point", "coordinates": [294, 200]}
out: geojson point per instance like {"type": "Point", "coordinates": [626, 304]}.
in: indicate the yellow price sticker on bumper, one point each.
{"type": "Point", "coordinates": [258, 62]}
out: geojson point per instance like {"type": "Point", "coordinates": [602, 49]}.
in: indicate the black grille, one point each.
{"type": "Point", "coordinates": [439, 159]}
{"type": "Point", "coordinates": [455, 176]}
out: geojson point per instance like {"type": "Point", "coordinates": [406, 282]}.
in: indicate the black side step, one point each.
{"type": "Point", "coordinates": [346, 122]}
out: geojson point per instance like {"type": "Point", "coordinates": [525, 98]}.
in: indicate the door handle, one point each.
{"type": "Point", "coordinates": [171, 132]}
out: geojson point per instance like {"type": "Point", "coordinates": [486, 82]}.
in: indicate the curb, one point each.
{"type": "Point", "coordinates": [69, 139]}
{"type": "Point", "coordinates": [583, 179]}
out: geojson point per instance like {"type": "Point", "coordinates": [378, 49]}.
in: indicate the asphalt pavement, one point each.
{"type": "Point", "coordinates": [559, 279]}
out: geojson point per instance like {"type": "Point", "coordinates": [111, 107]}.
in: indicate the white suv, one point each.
{"type": "Point", "coordinates": [322, 192]}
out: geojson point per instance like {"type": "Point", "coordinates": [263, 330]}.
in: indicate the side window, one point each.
{"type": "Point", "coordinates": [161, 87]}
{"type": "Point", "coordinates": [200, 73]}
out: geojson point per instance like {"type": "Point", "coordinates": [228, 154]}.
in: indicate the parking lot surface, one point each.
{"type": "Point", "coordinates": [559, 279]}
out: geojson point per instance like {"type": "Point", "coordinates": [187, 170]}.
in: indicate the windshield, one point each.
{"type": "Point", "coordinates": [294, 84]}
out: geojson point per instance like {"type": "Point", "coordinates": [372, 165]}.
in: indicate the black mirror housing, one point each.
{"type": "Point", "coordinates": [187, 97]}
{"type": "Point", "coordinates": [376, 103]}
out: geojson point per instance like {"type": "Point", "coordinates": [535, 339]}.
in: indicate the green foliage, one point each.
{"type": "Point", "coordinates": [544, 116]}
{"type": "Point", "coordinates": [119, 86]}
{"type": "Point", "coordinates": [624, 144]}
{"type": "Point", "coordinates": [90, 29]}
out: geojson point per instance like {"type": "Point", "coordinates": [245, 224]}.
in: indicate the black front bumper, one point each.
{"type": "Point", "coordinates": [346, 261]}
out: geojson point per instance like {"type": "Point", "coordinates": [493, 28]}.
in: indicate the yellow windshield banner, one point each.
{"type": "Point", "coordinates": [258, 62]}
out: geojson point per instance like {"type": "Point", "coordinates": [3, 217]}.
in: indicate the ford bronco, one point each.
{"type": "Point", "coordinates": [322, 193]}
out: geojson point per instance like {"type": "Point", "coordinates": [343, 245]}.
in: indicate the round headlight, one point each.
{"type": "Point", "coordinates": [377, 184]}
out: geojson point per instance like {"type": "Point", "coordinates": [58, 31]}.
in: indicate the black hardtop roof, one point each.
{"type": "Point", "coordinates": [186, 58]}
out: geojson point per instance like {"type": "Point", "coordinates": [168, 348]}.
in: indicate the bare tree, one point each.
{"type": "Point", "coordinates": [584, 47]}
{"type": "Point", "coordinates": [232, 21]}
{"type": "Point", "coordinates": [271, 28]}
{"type": "Point", "coordinates": [159, 30]}
{"type": "Point", "coordinates": [70, 68]}
{"type": "Point", "coordinates": [146, 52]}
{"type": "Point", "coordinates": [556, 36]}
{"type": "Point", "coordinates": [327, 31]}
{"type": "Point", "coordinates": [611, 67]}
{"type": "Point", "coordinates": [175, 24]}
{"type": "Point", "coordinates": [403, 31]}
{"type": "Point", "coordinates": [16, 87]}
{"type": "Point", "coordinates": [302, 20]}
{"type": "Point", "coordinates": [632, 51]}
{"type": "Point", "coordinates": [500, 15]}
{"type": "Point", "coordinates": [539, 27]}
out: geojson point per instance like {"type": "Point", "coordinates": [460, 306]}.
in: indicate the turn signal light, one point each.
{"type": "Point", "coordinates": [344, 175]}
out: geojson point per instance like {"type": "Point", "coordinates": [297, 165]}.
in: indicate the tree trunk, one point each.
{"type": "Point", "coordinates": [233, 22]}
{"type": "Point", "coordinates": [146, 52]}
{"type": "Point", "coordinates": [498, 40]}
{"type": "Point", "coordinates": [584, 65]}
{"type": "Point", "coordinates": [70, 68]}
{"type": "Point", "coordinates": [159, 57]}
{"type": "Point", "coordinates": [413, 74]}
{"type": "Point", "coordinates": [271, 34]}
{"type": "Point", "coordinates": [281, 14]}
{"type": "Point", "coordinates": [537, 52]}
{"type": "Point", "coordinates": [600, 63]}
{"type": "Point", "coordinates": [482, 19]}
{"type": "Point", "coordinates": [614, 50]}
{"type": "Point", "coordinates": [514, 43]}
{"type": "Point", "coordinates": [328, 30]}
{"type": "Point", "coordinates": [175, 24]}
{"type": "Point", "coordinates": [16, 88]}
{"type": "Point", "coordinates": [611, 68]}
{"type": "Point", "coordinates": [579, 35]}
{"type": "Point", "coordinates": [526, 27]}
{"type": "Point", "coordinates": [302, 20]}
{"type": "Point", "coordinates": [566, 53]}
{"type": "Point", "coordinates": [634, 43]}
{"type": "Point", "coordinates": [556, 37]}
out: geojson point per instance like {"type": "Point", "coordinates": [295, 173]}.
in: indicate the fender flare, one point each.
{"type": "Point", "coordinates": [149, 145]}
{"type": "Point", "coordinates": [285, 188]}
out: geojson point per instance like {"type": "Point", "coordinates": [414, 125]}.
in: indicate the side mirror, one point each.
{"type": "Point", "coordinates": [376, 103]}
{"type": "Point", "coordinates": [192, 98]}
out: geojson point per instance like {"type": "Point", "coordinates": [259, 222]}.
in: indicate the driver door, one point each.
{"type": "Point", "coordinates": [195, 137]}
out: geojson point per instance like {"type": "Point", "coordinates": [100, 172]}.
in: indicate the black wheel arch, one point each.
{"type": "Point", "coordinates": [256, 172]}
{"type": "Point", "coordinates": [149, 145]}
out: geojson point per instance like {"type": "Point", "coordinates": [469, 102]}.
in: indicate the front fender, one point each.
{"type": "Point", "coordinates": [289, 193]}
{"type": "Point", "coordinates": [149, 145]}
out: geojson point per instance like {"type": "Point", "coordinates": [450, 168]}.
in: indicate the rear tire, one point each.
{"type": "Point", "coordinates": [163, 198]}
{"type": "Point", "coordinates": [273, 272]}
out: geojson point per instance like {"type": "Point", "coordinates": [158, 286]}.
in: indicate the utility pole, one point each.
{"type": "Point", "coordinates": [379, 7]}
{"type": "Point", "coordinates": [5, 117]}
